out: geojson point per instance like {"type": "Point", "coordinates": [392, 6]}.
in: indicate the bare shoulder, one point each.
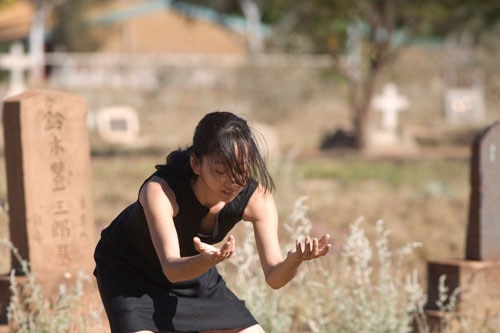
{"type": "Point", "coordinates": [156, 190]}
{"type": "Point", "coordinates": [260, 205]}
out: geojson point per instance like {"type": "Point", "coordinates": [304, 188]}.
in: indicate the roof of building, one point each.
{"type": "Point", "coordinates": [15, 21]}
{"type": "Point", "coordinates": [169, 26]}
{"type": "Point", "coordinates": [141, 8]}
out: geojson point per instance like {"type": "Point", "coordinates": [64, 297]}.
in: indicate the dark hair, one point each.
{"type": "Point", "coordinates": [229, 138]}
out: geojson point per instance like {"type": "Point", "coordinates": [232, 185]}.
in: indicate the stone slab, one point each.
{"type": "Point", "coordinates": [118, 124]}
{"type": "Point", "coordinates": [47, 159]}
{"type": "Point", "coordinates": [464, 105]}
{"type": "Point", "coordinates": [477, 282]}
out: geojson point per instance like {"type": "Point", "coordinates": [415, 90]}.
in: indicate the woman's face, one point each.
{"type": "Point", "coordinates": [216, 178]}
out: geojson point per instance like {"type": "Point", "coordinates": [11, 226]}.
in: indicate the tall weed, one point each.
{"type": "Point", "coordinates": [32, 311]}
{"type": "Point", "coordinates": [363, 287]}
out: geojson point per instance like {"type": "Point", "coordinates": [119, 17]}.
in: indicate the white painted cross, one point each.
{"type": "Point", "coordinates": [390, 103]}
{"type": "Point", "coordinates": [17, 62]}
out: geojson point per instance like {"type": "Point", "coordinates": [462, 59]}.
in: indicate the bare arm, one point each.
{"type": "Point", "coordinates": [261, 211]}
{"type": "Point", "coordinates": [158, 201]}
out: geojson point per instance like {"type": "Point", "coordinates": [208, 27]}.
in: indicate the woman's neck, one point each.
{"type": "Point", "coordinates": [203, 196]}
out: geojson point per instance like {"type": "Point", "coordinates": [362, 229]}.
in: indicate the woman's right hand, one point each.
{"type": "Point", "coordinates": [214, 254]}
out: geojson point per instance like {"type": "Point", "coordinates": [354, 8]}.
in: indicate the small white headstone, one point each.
{"type": "Point", "coordinates": [463, 105]}
{"type": "Point", "coordinates": [118, 124]}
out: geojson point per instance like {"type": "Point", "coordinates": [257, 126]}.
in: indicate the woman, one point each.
{"type": "Point", "coordinates": [155, 265]}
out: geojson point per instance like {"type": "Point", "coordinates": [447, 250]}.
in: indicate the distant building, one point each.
{"type": "Point", "coordinates": [162, 26]}
{"type": "Point", "coordinates": [15, 21]}
{"type": "Point", "coordinates": [147, 26]}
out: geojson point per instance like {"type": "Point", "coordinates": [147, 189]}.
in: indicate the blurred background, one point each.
{"type": "Point", "coordinates": [367, 107]}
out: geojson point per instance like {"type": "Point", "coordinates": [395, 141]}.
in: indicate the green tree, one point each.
{"type": "Point", "coordinates": [5, 3]}
{"type": "Point", "coordinates": [363, 36]}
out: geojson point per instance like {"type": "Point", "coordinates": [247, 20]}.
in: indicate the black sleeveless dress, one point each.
{"type": "Point", "coordinates": [135, 292]}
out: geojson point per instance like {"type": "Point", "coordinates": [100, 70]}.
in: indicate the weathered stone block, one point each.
{"type": "Point", "coordinates": [477, 282]}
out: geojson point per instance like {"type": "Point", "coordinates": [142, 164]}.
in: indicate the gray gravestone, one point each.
{"type": "Point", "coordinates": [477, 275]}
{"type": "Point", "coordinates": [483, 232]}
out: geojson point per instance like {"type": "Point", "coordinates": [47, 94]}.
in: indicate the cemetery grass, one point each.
{"type": "Point", "coordinates": [418, 200]}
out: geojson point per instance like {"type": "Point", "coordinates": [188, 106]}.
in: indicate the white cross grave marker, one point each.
{"type": "Point", "coordinates": [17, 62]}
{"type": "Point", "coordinates": [390, 103]}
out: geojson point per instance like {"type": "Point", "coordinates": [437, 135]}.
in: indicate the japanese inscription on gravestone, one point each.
{"type": "Point", "coordinates": [48, 180]}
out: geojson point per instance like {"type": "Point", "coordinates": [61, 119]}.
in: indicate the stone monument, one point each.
{"type": "Point", "coordinates": [483, 231]}
{"type": "Point", "coordinates": [49, 188]}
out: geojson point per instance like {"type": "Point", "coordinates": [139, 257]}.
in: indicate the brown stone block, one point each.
{"type": "Point", "coordinates": [477, 282]}
{"type": "Point", "coordinates": [47, 157]}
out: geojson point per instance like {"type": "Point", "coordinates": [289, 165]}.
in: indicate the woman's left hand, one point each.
{"type": "Point", "coordinates": [311, 249]}
{"type": "Point", "coordinates": [214, 254]}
